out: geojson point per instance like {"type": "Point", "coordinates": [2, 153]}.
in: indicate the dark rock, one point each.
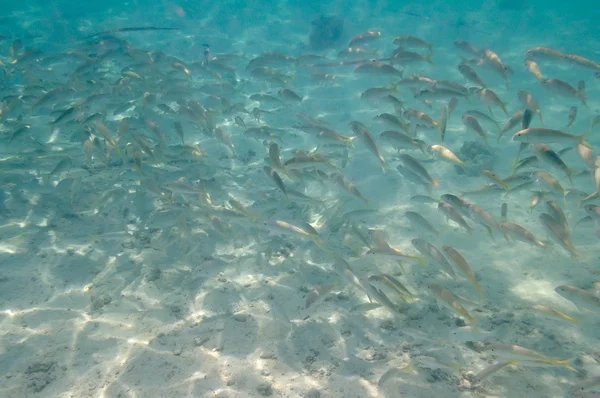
{"type": "Point", "coordinates": [326, 32]}
{"type": "Point", "coordinates": [477, 157]}
{"type": "Point", "coordinates": [265, 389]}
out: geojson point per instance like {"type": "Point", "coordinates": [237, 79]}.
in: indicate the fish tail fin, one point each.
{"type": "Point", "coordinates": [429, 60]}
{"type": "Point", "coordinates": [567, 364]}
{"type": "Point", "coordinates": [408, 369]}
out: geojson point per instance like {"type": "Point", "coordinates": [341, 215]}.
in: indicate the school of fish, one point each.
{"type": "Point", "coordinates": [230, 148]}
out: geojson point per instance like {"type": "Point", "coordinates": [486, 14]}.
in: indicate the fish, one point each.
{"type": "Point", "coordinates": [451, 214]}
{"type": "Point", "coordinates": [490, 370]}
{"type": "Point", "coordinates": [411, 42]}
{"type": "Point", "coordinates": [554, 314]}
{"type": "Point", "coordinates": [380, 246]}
{"type": "Point", "coordinates": [420, 221]}
{"type": "Point", "coordinates": [402, 141]}
{"type": "Point", "coordinates": [471, 75]}
{"type": "Point", "coordinates": [434, 254]}
{"type": "Point", "coordinates": [559, 233]}
{"type": "Point", "coordinates": [447, 155]}
{"type": "Point", "coordinates": [348, 186]}
{"type": "Point", "coordinates": [582, 299]}
{"type": "Point", "coordinates": [378, 69]}
{"type": "Point", "coordinates": [526, 357]}
{"type": "Point", "coordinates": [130, 29]}
{"type": "Point", "coordinates": [530, 103]}
{"type": "Point", "coordinates": [564, 89]}
{"type": "Point", "coordinates": [534, 69]}
{"type": "Point", "coordinates": [539, 135]}
{"type": "Point", "coordinates": [366, 37]}
{"type": "Point", "coordinates": [472, 124]}
{"type": "Point", "coordinates": [519, 233]}
{"type": "Point", "coordinates": [363, 132]}
{"type": "Point", "coordinates": [277, 179]}
{"type": "Point", "coordinates": [463, 265]}
{"type": "Point", "coordinates": [417, 168]}
{"type": "Point", "coordinates": [572, 116]}
{"type": "Point", "coordinates": [467, 48]}
{"type": "Point", "coordinates": [449, 300]}
{"type": "Point", "coordinates": [547, 155]}
{"type": "Point", "coordinates": [482, 217]}
{"type": "Point", "coordinates": [405, 58]}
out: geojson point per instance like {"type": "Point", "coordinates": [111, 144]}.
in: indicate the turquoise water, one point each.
{"type": "Point", "coordinates": [219, 199]}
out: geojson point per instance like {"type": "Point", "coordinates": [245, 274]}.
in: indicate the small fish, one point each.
{"type": "Point", "coordinates": [484, 218]}
{"type": "Point", "coordinates": [547, 136]}
{"type": "Point", "coordinates": [526, 357]}
{"type": "Point", "coordinates": [404, 58]}
{"type": "Point", "coordinates": [550, 181]}
{"type": "Point", "coordinates": [402, 141]}
{"type": "Point", "coordinates": [412, 42]}
{"type": "Point", "coordinates": [434, 254]}
{"type": "Point", "coordinates": [288, 95]}
{"type": "Point", "coordinates": [378, 69]}
{"type": "Point", "coordinates": [554, 314]}
{"type": "Point", "coordinates": [63, 165]}
{"type": "Point", "coordinates": [471, 123]}
{"type": "Point", "coordinates": [355, 52]}
{"type": "Point", "coordinates": [530, 103]}
{"type": "Point", "coordinates": [366, 37]}
{"type": "Point", "coordinates": [489, 370]}
{"type": "Point", "coordinates": [470, 333]}
{"type": "Point", "coordinates": [490, 98]}
{"type": "Point", "coordinates": [452, 104]}
{"type": "Point", "coordinates": [452, 214]}
{"type": "Point", "coordinates": [417, 168]}
{"type": "Point", "coordinates": [460, 261]}
{"type": "Point", "coordinates": [467, 48]}
{"type": "Point", "coordinates": [380, 246]}
{"type": "Point", "coordinates": [534, 69]}
{"type": "Point", "coordinates": [449, 300]}
{"type": "Point", "coordinates": [423, 199]}
{"type": "Point", "coordinates": [519, 233]}
{"type": "Point", "coordinates": [276, 178]}
{"type": "Point", "coordinates": [547, 155]}
{"type": "Point", "coordinates": [444, 115]}
{"type": "Point", "coordinates": [493, 60]}
{"type": "Point", "coordinates": [559, 233]}
{"type": "Point", "coordinates": [581, 62]}
{"type": "Point", "coordinates": [582, 299]}
{"type": "Point", "coordinates": [420, 221]}
{"type": "Point", "coordinates": [471, 75]}
{"type": "Point", "coordinates": [446, 155]}
{"type": "Point", "coordinates": [344, 183]}
{"type": "Point", "coordinates": [496, 179]}
{"type": "Point", "coordinates": [504, 212]}
{"type": "Point", "coordinates": [393, 284]}
{"type": "Point", "coordinates": [544, 54]}
{"type": "Point", "coordinates": [362, 131]}
{"type": "Point", "coordinates": [555, 211]}
{"type": "Point", "coordinates": [565, 89]}
{"type": "Point", "coordinates": [572, 116]}
{"type": "Point", "coordinates": [420, 117]}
